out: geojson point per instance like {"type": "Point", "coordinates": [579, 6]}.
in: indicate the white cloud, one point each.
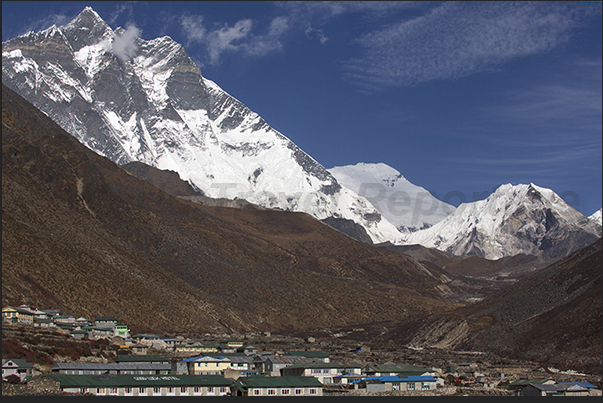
{"type": "Point", "coordinates": [124, 45]}
{"type": "Point", "coordinates": [236, 38]}
{"type": "Point", "coordinates": [456, 39]}
{"type": "Point", "coordinates": [312, 33]}
{"type": "Point", "coordinates": [193, 29]}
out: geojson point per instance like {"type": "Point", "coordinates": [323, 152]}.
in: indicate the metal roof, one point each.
{"type": "Point", "coordinates": [583, 384]}
{"type": "Point", "coordinates": [393, 378]}
{"type": "Point", "coordinates": [96, 366]}
{"type": "Point", "coordinates": [73, 381]}
{"type": "Point", "coordinates": [325, 365]}
{"type": "Point", "coordinates": [559, 387]}
{"type": "Point", "coordinates": [20, 362]}
{"type": "Point", "coordinates": [141, 358]}
{"type": "Point", "coordinates": [260, 381]}
{"type": "Point", "coordinates": [310, 353]}
{"type": "Point", "coordinates": [206, 358]}
{"type": "Point", "coordinates": [397, 368]}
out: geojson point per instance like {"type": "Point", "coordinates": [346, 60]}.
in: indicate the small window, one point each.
{"type": "Point", "coordinates": [299, 391]}
{"type": "Point", "coordinates": [313, 391]}
{"type": "Point", "coordinates": [257, 392]}
{"type": "Point", "coordinates": [285, 391]}
{"type": "Point", "coordinates": [271, 392]}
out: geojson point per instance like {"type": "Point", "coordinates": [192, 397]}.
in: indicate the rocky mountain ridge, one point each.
{"type": "Point", "coordinates": [84, 235]}
{"type": "Point", "coordinates": [147, 101]}
{"type": "Point", "coordinates": [134, 100]}
{"type": "Point", "coordinates": [515, 219]}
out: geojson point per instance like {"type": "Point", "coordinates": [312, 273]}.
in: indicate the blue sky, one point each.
{"type": "Point", "coordinates": [460, 97]}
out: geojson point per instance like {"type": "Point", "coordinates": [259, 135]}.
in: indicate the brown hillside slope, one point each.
{"type": "Point", "coordinates": [552, 317]}
{"type": "Point", "coordinates": [81, 234]}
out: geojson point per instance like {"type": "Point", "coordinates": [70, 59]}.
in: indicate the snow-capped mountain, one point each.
{"type": "Point", "coordinates": [596, 217]}
{"type": "Point", "coordinates": [409, 207]}
{"type": "Point", "coordinates": [514, 219]}
{"type": "Point", "coordinates": [135, 100]}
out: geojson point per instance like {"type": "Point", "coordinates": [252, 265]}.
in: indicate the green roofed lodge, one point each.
{"type": "Point", "coordinates": [144, 385]}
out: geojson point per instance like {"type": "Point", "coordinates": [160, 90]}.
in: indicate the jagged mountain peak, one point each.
{"type": "Point", "coordinates": [87, 18]}
{"type": "Point", "coordinates": [147, 101]}
{"type": "Point", "coordinates": [596, 217]}
{"type": "Point", "coordinates": [514, 219]}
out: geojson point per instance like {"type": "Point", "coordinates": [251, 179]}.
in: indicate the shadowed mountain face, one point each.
{"type": "Point", "coordinates": [552, 316]}
{"type": "Point", "coordinates": [82, 234]}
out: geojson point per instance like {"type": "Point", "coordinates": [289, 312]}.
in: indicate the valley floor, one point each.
{"type": "Point", "coordinates": [458, 373]}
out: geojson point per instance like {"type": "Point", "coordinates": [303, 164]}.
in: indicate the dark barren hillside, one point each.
{"type": "Point", "coordinates": [80, 233]}
{"type": "Point", "coordinates": [553, 316]}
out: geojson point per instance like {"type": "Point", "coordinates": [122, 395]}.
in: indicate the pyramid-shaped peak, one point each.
{"type": "Point", "coordinates": [87, 18]}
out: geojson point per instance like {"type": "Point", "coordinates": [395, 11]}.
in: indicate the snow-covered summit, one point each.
{"type": "Point", "coordinates": [514, 219]}
{"type": "Point", "coordinates": [131, 99]}
{"type": "Point", "coordinates": [596, 217]}
{"type": "Point", "coordinates": [409, 207]}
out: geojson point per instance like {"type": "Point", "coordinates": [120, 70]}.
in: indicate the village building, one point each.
{"type": "Point", "coordinates": [207, 365]}
{"type": "Point", "coordinates": [396, 383]}
{"type": "Point", "coordinates": [144, 385]}
{"type": "Point", "coordinates": [271, 365]}
{"type": "Point", "coordinates": [43, 322]}
{"type": "Point", "coordinates": [326, 373]}
{"type": "Point", "coordinates": [100, 368]}
{"type": "Point", "coordinates": [195, 348]}
{"type": "Point", "coordinates": [17, 367]}
{"type": "Point", "coordinates": [119, 329]}
{"type": "Point", "coordinates": [20, 314]}
{"type": "Point", "coordinates": [142, 359]}
{"type": "Point", "coordinates": [376, 370]}
{"type": "Point", "coordinates": [557, 389]}
{"type": "Point", "coordinates": [312, 354]}
{"type": "Point", "coordinates": [518, 385]}
{"type": "Point", "coordinates": [278, 386]}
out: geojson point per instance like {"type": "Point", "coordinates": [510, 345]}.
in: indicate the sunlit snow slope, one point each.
{"type": "Point", "coordinates": [514, 219]}
{"type": "Point", "coordinates": [409, 207]}
{"type": "Point", "coordinates": [147, 101]}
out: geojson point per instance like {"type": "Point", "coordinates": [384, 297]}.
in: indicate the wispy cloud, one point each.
{"type": "Point", "coordinates": [316, 33]}
{"type": "Point", "coordinates": [457, 39]}
{"type": "Point", "coordinates": [46, 22]}
{"type": "Point", "coordinates": [124, 45]}
{"type": "Point", "coordinates": [239, 37]}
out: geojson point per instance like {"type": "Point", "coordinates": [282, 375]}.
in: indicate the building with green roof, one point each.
{"type": "Point", "coordinates": [396, 370]}
{"type": "Point", "coordinates": [316, 355]}
{"type": "Point", "coordinates": [325, 373]}
{"type": "Point", "coordinates": [144, 385]}
{"type": "Point", "coordinates": [260, 385]}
